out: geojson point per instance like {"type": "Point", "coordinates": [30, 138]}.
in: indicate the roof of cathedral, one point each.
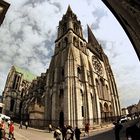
{"type": "Point", "coordinates": [26, 74]}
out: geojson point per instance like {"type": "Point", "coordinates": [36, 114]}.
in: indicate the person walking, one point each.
{"type": "Point", "coordinates": [117, 130]}
{"type": "Point", "coordinates": [3, 128]}
{"type": "Point", "coordinates": [133, 132]}
{"type": "Point", "coordinates": [20, 125]}
{"type": "Point", "coordinates": [87, 129]}
{"type": "Point", "coordinates": [77, 133]}
{"type": "Point", "coordinates": [1, 132]}
{"type": "Point", "coordinates": [69, 133]}
{"type": "Point", "coordinates": [50, 128]}
{"type": "Point", "coordinates": [64, 130]}
{"type": "Point", "coordinates": [57, 134]}
{"type": "Point", "coordinates": [11, 130]}
{"type": "Point", "coordinates": [26, 124]}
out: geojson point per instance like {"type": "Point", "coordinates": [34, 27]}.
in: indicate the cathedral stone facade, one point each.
{"type": "Point", "coordinates": [77, 88]}
{"type": "Point", "coordinates": [16, 87]}
{"type": "Point", "coordinates": [80, 85]}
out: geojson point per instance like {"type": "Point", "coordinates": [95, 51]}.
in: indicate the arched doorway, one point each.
{"type": "Point", "coordinates": [61, 119]}
{"type": "Point", "coordinates": [106, 111]}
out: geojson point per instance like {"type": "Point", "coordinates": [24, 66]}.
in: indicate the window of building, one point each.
{"type": "Point", "coordinates": [64, 27]}
{"type": "Point", "coordinates": [14, 81]}
{"type": "Point", "coordinates": [75, 41]}
{"type": "Point", "coordinates": [89, 77]}
{"type": "Point", "coordinates": [63, 74]}
{"type": "Point", "coordinates": [59, 44]}
{"type": "Point", "coordinates": [82, 108]}
{"type": "Point", "coordinates": [12, 103]}
{"type": "Point", "coordinates": [81, 44]}
{"type": "Point", "coordinates": [79, 73]}
{"type": "Point", "coordinates": [65, 42]}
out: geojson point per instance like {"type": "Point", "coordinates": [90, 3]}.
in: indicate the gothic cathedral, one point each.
{"type": "Point", "coordinates": [77, 88]}
{"type": "Point", "coordinates": [80, 86]}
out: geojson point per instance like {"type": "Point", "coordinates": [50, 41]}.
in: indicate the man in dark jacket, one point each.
{"type": "Point", "coordinates": [117, 129]}
{"type": "Point", "coordinates": [77, 133]}
{"type": "Point", "coordinates": [133, 132]}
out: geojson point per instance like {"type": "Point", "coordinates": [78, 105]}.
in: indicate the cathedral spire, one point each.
{"type": "Point", "coordinates": [69, 10]}
{"type": "Point", "coordinates": [91, 37]}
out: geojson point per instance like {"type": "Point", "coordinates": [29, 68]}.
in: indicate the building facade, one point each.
{"type": "Point", "coordinates": [77, 88]}
{"type": "Point", "coordinates": [80, 85]}
{"type": "Point", "coordinates": [16, 87]}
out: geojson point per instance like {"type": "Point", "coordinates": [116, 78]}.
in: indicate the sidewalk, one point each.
{"type": "Point", "coordinates": [98, 130]}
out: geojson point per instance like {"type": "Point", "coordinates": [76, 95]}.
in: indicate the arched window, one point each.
{"type": "Point", "coordinates": [79, 73]}
{"type": "Point", "coordinates": [12, 105]}
{"type": "Point", "coordinates": [81, 44]}
{"type": "Point", "coordinates": [82, 104]}
{"type": "Point", "coordinates": [22, 92]}
{"type": "Point", "coordinates": [106, 111]}
{"type": "Point", "coordinates": [59, 44]}
{"type": "Point", "coordinates": [102, 111]}
{"type": "Point", "coordinates": [65, 41]}
{"type": "Point", "coordinates": [75, 42]}
{"type": "Point", "coordinates": [102, 88]}
{"type": "Point", "coordinates": [89, 77]}
{"type": "Point", "coordinates": [75, 28]}
{"type": "Point", "coordinates": [106, 92]}
{"type": "Point", "coordinates": [64, 27]}
{"type": "Point", "coordinates": [98, 88]}
{"type": "Point", "coordinates": [62, 73]}
{"type": "Point", "coordinates": [61, 97]}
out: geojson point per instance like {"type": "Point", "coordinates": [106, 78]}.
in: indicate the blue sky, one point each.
{"type": "Point", "coordinates": [29, 30]}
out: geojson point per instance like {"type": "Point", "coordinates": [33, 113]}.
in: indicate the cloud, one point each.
{"type": "Point", "coordinates": [98, 14]}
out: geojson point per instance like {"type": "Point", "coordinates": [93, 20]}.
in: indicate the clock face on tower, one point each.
{"type": "Point", "coordinates": [97, 65]}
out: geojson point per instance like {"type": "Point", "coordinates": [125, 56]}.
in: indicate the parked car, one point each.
{"type": "Point", "coordinates": [123, 119]}
{"type": "Point", "coordinates": [2, 116]}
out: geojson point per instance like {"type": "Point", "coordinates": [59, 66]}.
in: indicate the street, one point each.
{"type": "Point", "coordinates": [105, 133]}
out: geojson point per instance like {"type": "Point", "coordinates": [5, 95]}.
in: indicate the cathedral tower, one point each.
{"type": "Point", "coordinates": [78, 89]}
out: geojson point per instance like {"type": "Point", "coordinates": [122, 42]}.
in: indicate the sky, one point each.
{"type": "Point", "coordinates": [29, 30]}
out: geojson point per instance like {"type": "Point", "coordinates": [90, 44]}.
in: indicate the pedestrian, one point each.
{"type": "Point", "coordinates": [87, 129]}
{"type": "Point", "coordinates": [1, 132]}
{"type": "Point", "coordinates": [3, 128]}
{"type": "Point", "coordinates": [133, 132]}
{"type": "Point", "coordinates": [8, 122]}
{"type": "Point", "coordinates": [57, 134]}
{"type": "Point", "coordinates": [69, 133]}
{"type": "Point", "coordinates": [64, 130]}
{"type": "Point", "coordinates": [20, 125]}
{"type": "Point", "coordinates": [77, 133]}
{"type": "Point", "coordinates": [117, 129]}
{"type": "Point", "coordinates": [26, 124]}
{"type": "Point", "coordinates": [11, 130]}
{"type": "Point", "coordinates": [50, 128]}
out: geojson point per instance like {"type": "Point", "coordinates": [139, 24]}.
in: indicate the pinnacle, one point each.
{"type": "Point", "coordinates": [91, 37]}
{"type": "Point", "coordinates": [69, 9]}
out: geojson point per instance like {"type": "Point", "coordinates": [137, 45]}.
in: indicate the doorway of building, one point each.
{"type": "Point", "coordinates": [61, 119]}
